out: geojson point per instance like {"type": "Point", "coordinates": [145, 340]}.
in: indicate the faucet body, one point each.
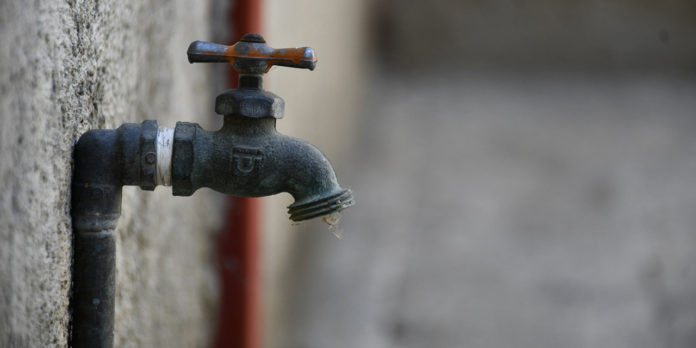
{"type": "Point", "coordinates": [247, 157]}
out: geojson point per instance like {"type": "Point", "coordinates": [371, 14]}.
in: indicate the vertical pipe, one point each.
{"type": "Point", "coordinates": [95, 208]}
{"type": "Point", "coordinates": [238, 245]}
{"type": "Point", "coordinates": [94, 288]}
{"type": "Point", "coordinates": [105, 160]}
{"type": "Point", "coordinates": [238, 264]}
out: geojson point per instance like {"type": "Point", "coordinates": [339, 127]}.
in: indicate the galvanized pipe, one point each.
{"type": "Point", "coordinates": [105, 160]}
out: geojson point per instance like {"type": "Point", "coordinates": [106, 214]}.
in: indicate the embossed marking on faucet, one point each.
{"type": "Point", "coordinates": [246, 160]}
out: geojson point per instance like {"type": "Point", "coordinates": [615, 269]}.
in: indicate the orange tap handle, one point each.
{"type": "Point", "coordinates": [251, 55]}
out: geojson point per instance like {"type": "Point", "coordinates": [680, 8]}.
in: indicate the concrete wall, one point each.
{"type": "Point", "coordinates": [70, 66]}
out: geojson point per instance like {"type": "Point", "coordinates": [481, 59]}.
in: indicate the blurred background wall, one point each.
{"type": "Point", "coordinates": [70, 66]}
{"type": "Point", "coordinates": [523, 171]}
{"type": "Point", "coordinates": [323, 107]}
{"type": "Point", "coordinates": [620, 35]}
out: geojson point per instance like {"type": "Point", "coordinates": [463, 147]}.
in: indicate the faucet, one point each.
{"type": "Point", "coordinates": [247, 157]}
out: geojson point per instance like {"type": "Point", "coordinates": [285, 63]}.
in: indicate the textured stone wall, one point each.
{"type": "Point", "coordinates": [67, 67]}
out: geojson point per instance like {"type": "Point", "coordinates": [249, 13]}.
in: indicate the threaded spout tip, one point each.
{"type": "Point", "coordinates": [322, 206]}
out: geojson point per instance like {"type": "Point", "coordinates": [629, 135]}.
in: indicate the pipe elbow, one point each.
{"type": "Point", "coordinates": [94, 157]}
{"type": "Point", "coordinates": [96, 187]}
{"type": "Point", "coordinates": [312, 182]}
{"type": "Point", "coordinates": [104, 161]}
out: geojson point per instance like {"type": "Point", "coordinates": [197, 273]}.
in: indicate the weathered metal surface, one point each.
{"type": "Point", "coordinates": [252, 55]}
{"type": "Point", "coordinates": [247, 157]}
{"type": "Point", "coordinates": [148, 161]}
{"type": "Point", "coordinates": [105, 161]}
{"type": "Point", "coordinates": [248, 102]}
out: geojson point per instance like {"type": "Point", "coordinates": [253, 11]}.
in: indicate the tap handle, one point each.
{"type": "Point", "coordinates": [251, 55]}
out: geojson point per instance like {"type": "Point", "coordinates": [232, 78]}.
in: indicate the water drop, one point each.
{"type": "Point", "coordinates": [333, 220]}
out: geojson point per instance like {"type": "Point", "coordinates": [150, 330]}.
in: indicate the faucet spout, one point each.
{"type": "Point", "coordinates": [312, 182]}
{"type": "Point", "coordinates": [248, 157]}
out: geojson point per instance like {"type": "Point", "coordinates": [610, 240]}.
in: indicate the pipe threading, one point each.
{"type": "Point", "coordinates": [322, 206]}
{"type": "Point", "coordinates": [165, 145]}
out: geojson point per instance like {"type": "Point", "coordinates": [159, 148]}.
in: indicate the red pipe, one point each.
{"type": "Point", "coordinates": [238, 244]}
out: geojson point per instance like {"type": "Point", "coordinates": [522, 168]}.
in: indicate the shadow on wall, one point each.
{"type": "Point", "coordinates": [524, 177]}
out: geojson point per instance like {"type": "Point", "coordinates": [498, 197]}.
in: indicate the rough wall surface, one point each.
{"type": "Point", "coordinates": [67, 67]}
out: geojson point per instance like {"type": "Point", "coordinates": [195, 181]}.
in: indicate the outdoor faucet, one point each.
{"type": "Point", "coordinates": [247, 157]}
